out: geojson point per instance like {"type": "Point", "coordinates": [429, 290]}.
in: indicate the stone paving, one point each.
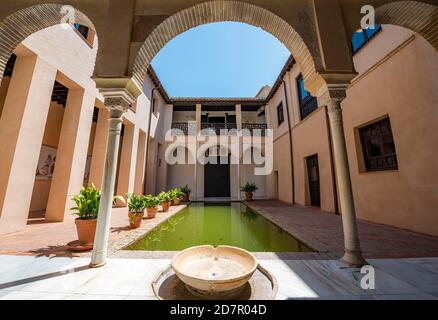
{"type": "Point", "coordinates": [31, 278]}
{"type": "Point", "coordinates": [50, 239]}
{"type": "Point", "coordinates": [323, 232]}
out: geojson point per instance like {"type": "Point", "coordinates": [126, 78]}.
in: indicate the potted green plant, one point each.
{"type": "Point", "coordinates": [176, 194]}
{"type": "Point", "coordinates": [87, 208]}
{"type": "Point", "coordinates": [165, 200]}
{"type": "Point", "coordinates": [186, 193]}
{"type": "Point", "coordinates": [151, 203]}
{"type": "Point", "coordinates": [136, 208]}
{"type": "Point", "coordinates": [249, 189]}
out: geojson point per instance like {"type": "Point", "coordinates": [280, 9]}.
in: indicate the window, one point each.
{"type": "Point", "coordinates": [83, 30]}
{"type": "Point", "coordinates": [308, 104]}
{"type": "Point", "coordinates": [360, 38]}
{"type": "Point", "coordinates": [378, 146]}
{"type": "Point", "coordinates": [280, 114]}
{"type": "Point", "coordinates": [86, 33]}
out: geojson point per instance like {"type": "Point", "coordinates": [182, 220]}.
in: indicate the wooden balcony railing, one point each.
{"type": "Point", "coordinates": [183, 126]}
{"type": "Point", "coordinates": [262, 127]}
{"type": "Point", "coordinates": [217, 127]}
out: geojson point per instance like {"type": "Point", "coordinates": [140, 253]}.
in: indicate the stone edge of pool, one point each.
{"type": "Point", "coordinates": [117, 249]}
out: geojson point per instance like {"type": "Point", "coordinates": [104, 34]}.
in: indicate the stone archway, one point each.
{"type": "Point", "coordinates": [419, 17]}
{"type": "Point", "coordinates": [219, 11]}
{"type": "Point", "coordinates": [21, 24]}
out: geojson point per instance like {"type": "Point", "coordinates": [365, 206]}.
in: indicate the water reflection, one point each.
{"type": "Point", "coordinates": [219, 224]}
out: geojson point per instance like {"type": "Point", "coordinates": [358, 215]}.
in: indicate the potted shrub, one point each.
{"type": "Point", "coordinates": [165, 200]}
{"type": "Point", "coordinates": [136, 208]}
{"type": "Point", "coordinates": [87, 208]}
{"type": "Point", "coordinates": [249, 189]}
{"type": "Point", "coordinates": [176, 194]}
{"type": "Point", "coordinates": [186, 193]}
{"type": "Point", "coordinates": [151, 203]}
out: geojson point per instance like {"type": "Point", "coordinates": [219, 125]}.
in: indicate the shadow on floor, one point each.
{"type": "Point", "coordinates": [54, 251]}
{"type": "Point", "coordinates": [42, 277]}
{"type": "Point", "coordinates": [120, 229]}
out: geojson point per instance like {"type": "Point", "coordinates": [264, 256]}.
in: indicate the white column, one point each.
{"type": "Point", "coordinates": [116, 108]}
{"type": "Point", "coordinates": [353, 255]}
{"type": "Point", "coordinates": [239, 128]}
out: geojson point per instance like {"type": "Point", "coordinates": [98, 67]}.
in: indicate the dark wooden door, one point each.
{"type": "Point", "coordinates": [313, 176]}
{"type": "Point", "coordinates": [217, 180]}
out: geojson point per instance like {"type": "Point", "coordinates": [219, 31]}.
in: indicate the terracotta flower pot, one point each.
{"type": "Point", "coordinates": [248, 196]}
{"type": "Point", "coordinates": [185, 198]}
{"type": "Point", "coordinates": [86, 230]}
{"type": "Point", "coordinates": [165, 206]}
{"type": "Point", "coordinates": [152, 212]}
{"type": "Point", "coordinates": [175, 202]}
{"type": "Point", "coordinates": [135, 219]}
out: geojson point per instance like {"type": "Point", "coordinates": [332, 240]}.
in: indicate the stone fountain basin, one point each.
{"type": "Point", "coordinates": [209, 270]}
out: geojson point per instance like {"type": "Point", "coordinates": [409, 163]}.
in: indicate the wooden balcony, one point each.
{"type": "Point", "coordinates": [217, 127]}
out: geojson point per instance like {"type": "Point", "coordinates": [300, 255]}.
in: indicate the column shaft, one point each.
{"type": "Point", "coordinates": [100, 248]}
{"type": "Point", "coordinates": [353, 255]}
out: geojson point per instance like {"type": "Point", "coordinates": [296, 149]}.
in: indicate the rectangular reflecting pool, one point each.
{"type": "Point", "coordinates": [232, 224]}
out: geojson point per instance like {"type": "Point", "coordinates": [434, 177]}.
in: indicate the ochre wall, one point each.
{"type": "Point", "coordinates": [41, 188]}
{"type": "Point", "coordinates": [310, 137]}
{"type": "Point", "coordinates": [405, 88]}
{"type": "Point", "coordinates": [397, 77]}
{"type": "Point", "coordinates": [4, 85]}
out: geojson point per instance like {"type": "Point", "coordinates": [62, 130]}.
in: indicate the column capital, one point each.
{"type": "Point", "coordinates": [113, 103]}
{"type": "Point", "coordinates": [119, 93]}
{"type": "Point", "coordinates": [333, 92]}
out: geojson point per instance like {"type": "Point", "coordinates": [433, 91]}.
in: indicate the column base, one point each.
{"type": "Point", "coordinates": [354, 258]}
{"type": "Point", "coordinates": [97, 265]}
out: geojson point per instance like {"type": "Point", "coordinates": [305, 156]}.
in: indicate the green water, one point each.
{"type": "Point", "coordinates": [219, 224]}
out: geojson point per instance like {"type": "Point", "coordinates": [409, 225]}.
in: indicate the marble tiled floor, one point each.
{"type": "Point", "coordinates": [30, 277]}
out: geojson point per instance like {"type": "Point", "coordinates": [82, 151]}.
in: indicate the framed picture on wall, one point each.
{"type": "Point", "coordinates": [46, 163]}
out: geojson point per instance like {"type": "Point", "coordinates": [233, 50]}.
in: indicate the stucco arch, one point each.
{"type": "Point", "coordinates": [219, 11]}
{"type": "Point", "coordinates": [419, 17]}
{"type": "Point", "coordinates": [21, 24]}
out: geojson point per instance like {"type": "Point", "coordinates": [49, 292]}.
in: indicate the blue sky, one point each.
{"type": "Point", "coordinates": [225, 59]}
